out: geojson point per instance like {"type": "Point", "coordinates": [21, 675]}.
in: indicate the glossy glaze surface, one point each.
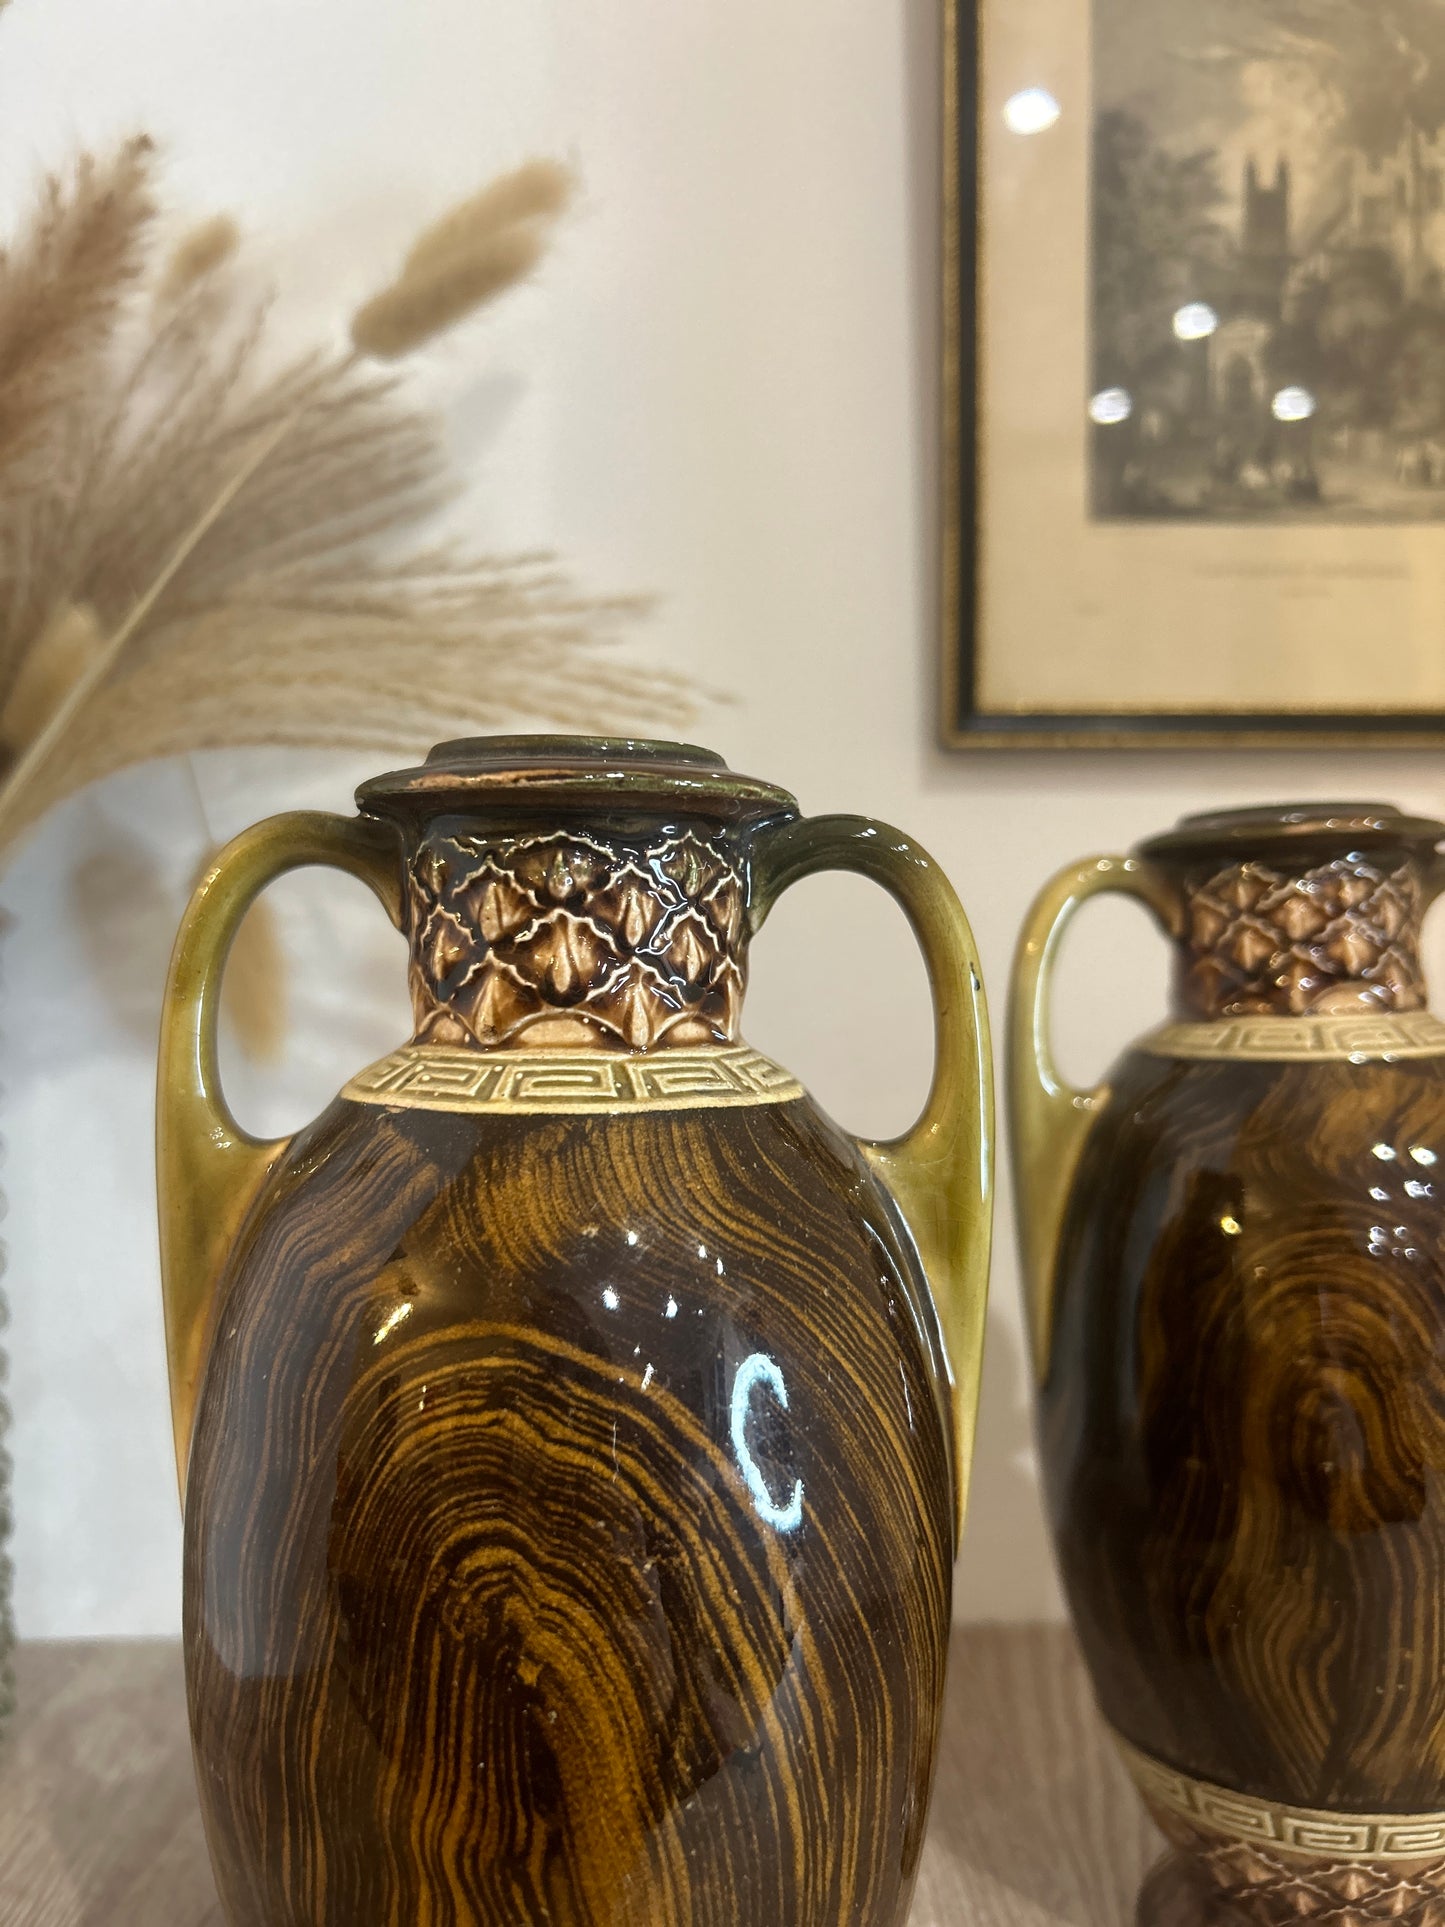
{"type": "Point", "coordinates": [615, 939]}
{"type": "Point", "coordinates": [569, 1529]}
{"type": "Point", "coordinates": [1275, 938]}
{"type": "Point", "coordinates": [1236, 1264]}
{"type": "Point", "coordinates": [571, 1467]}
{"type": "Point", "coordinates": [1243, 1424]}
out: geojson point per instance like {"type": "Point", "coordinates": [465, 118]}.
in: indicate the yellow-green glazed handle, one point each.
{"type": "Point", "coordinates": [208, 1169]}
{"type": "Point", "coordinates": [940, 1174]}
{"type": "Point", "coordinates": [1049, 1118]}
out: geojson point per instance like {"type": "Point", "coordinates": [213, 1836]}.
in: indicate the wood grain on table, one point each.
{"type": "Point", "coordinates": [1033, 1819]}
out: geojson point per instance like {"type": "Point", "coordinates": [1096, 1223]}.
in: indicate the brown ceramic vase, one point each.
{"type": "Point", "coordinates": [573, 1422]}
{"type": "Point", "coordinates": [1236, 1253]}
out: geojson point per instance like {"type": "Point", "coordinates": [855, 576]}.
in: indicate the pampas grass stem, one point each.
{"type": "Point", "coordinates": [63, 652]}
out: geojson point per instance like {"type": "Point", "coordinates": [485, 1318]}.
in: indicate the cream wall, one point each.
{"type": "Point", "coordinates": [723, 388]}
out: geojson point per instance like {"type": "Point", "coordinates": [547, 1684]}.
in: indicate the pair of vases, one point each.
{"type": "Point", "coordinates": [574, 1425]}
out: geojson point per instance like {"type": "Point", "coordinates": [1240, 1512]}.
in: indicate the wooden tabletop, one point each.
{"type": "Point", "coordinates": [1033, 1819]}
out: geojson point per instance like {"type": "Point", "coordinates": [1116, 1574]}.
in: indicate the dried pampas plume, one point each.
{"type": "Point", "coordinates": [202, 547]}
{"type": "Point", "coordinates": [539, 191]}
{"type": "Point", "coordinates": [426, 300]}
{"type": "Point", "coordinates": [465, 259]}
{"type": "Point", "coordinates": [64, 284]}
{"type": "Point", "coordinates": [196, 257]}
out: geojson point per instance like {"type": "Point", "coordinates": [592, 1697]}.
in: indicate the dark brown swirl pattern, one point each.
{"type": "Point", "coordinates": [568, 1533]}
{"type": "Point", "coordinates": [1243, 1425]}
{"type": "Point", "coordinates": [1235, 1249]}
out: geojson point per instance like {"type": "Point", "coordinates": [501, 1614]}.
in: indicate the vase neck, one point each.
{"type": "Point", "coordinates": [535, 938]}
{"type": "Point", "coordinates": [1299, 910]}
{"type": "Point", "coordinates": [1262, 939]}
{"type": "Point", "coordinates": [568, 892]}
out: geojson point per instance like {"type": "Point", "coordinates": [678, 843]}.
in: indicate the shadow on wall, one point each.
{"type": "Point", "coordinates": [125, 905]}
{"type": "Point", "coordinates": [1006, 1570]}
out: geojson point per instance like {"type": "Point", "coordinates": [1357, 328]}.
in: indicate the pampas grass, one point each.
{"type": "Point", "coordinates": [472, 254]}
{"type": "Point", "coordinates": [63, 285]}
{"type": "Point", "coordinates": [196, 257]}
{"type": "Point", "coordinates": [59, 662]}
{"type": "Point", "coordinates": [202, 546]}
{"type": "Point", "coordinates": [409, 312]}
{"type": "Point", "coordinates": [535, 193]}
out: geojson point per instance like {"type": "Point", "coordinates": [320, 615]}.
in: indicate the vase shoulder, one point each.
{"type": "Point", "coordinates": [1366, 1037]}
{"type": "Point", "coordinates": [563, 1082]}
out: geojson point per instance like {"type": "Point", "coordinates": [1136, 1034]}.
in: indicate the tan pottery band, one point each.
{"type": "Point", "coordinates": [436, 1077]}
{"type": "Point", "coordinates": [1363, 1837]}
{"type": "Point", "coordinates": [1414, 1033]}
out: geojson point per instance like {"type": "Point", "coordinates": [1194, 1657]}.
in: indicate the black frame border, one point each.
{"type": "Point", "coordinates": [964, 724]}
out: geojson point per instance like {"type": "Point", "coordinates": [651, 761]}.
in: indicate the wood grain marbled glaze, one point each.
{"type": "Point", "coordinates": [571, 1462]}
{"type": "Point", "coordinates": [488, 1621]}
{"type": "Point", "coordinates": [1243, 1424]}
{"type": "Point", "coordinates": [1235, 1253]}
{"type": "Point", "coordinates": [99, 1827]}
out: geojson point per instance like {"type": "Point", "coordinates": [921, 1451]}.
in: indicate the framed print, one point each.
{"type": "Point", "coordinates": [1194, 381]}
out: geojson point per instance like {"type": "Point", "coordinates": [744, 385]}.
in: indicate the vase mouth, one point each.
{"type": "Point", "coordinates": [575, 774]}
{"type": "Point", "coordinates": [1264, 828]}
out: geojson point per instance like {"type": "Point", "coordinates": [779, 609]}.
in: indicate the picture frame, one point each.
{"type": "Point", "coordinates": [1309, 615]}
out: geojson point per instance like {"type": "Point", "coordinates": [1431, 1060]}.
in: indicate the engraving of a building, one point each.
{"type": "Point", "coordinates": [1239, 376]}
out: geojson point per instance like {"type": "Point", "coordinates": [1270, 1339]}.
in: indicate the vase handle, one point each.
{"type": "Point", "coordinates": [208, 1170]}
{"type": "Point", "coordinates": [940, 1174]}
{"type": "Point", "coordinates": [1049, 1119]}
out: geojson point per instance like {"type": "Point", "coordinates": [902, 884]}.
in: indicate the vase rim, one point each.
{"type": "Point", "coordinates": [574, 773]}
{"type": "Point", "coordinates": [1270, 826]}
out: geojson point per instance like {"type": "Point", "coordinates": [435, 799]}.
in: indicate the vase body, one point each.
{"type": "Point", "coordinates": [1241, 1367]}
{"type": "Point", "coordinates": [570, 1497]}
